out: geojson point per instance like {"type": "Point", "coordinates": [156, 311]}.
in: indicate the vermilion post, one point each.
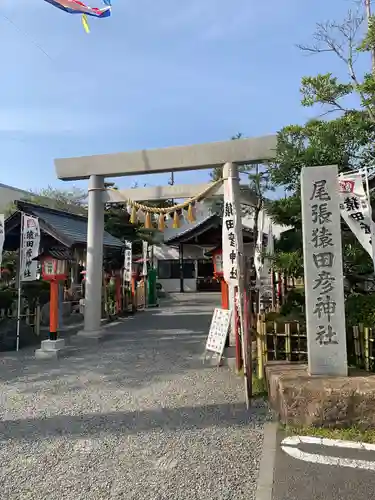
{"type": "Point", "coordinates": [248, 344]}
{"type": "Point", "coordinates": [236, 333]}
{"type": "Point", "coordinates": [224, 294]}
{"type": "Point", "coordinates": [53, 309]}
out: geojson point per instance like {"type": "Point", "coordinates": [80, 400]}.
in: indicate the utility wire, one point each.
{"type": "Point", "coordinates": [27, 36]}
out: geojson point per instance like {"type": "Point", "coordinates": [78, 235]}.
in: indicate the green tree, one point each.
{"type": "Point", "coordinates": [73, 200]}
{"type": "Point", "coordinates": [346, 140]}
{"type": "Point", "coordinates": [346, 40]}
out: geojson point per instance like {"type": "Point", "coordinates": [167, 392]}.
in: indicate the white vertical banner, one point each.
{"type": "Point", "coordinates": [266, 282]}
{"type": "Point", "coordinates": [324, 283]}
{"type": "Point", "coordinates": [30, 241]}
{"type": "Point", "coordinates": [128, 257]}
{"type": "Point", "coordinates": [144, 257]}
{"type": "Point", "coordinates": [2, 238]}
{"type": "Point", "coordinates": [355, 208]}
{"type": "Point", "coordinates": [233, 255]}
{"type": "Point", "coordinates": [232, 235]}
{"type": "Point", "coordinates": [258, 261]}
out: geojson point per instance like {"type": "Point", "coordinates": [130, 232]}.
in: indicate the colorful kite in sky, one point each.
{"type": "Point", "coordinates": [77, 7]}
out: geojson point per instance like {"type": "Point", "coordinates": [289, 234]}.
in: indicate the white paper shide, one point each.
{"type": "Point", "coordinates": [128, 262]}
{"type": "Point", "coordinates": [356, 210]}
{"type": "Point", "coordinates": [232, 237]}
{"type": "Point", "coordinates": [30, 239]}
{"type": "Point", "coordinates": [325, 314]}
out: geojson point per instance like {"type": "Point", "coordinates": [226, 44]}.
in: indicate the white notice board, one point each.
{"type": "Point", "coordinates": [218, 331]}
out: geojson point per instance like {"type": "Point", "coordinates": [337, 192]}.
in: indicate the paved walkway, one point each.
{"type": "Point", "coordinates": [135, 417]}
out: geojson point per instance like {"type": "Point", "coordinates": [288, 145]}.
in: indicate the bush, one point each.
{"type": "Point", "coordinates": [294, 303]}
{"type": "Point", "coordinates": [360, 309]}
{"type": "Point", "coordinates": [36, 292]}
{"type": "Point", "coordinates": [7, 297]}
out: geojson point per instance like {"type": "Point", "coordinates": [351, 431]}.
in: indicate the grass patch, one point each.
{"type": "Point", "coordinates": [347, 434]}
{"type": "Point", "coordinates": [259, 385]}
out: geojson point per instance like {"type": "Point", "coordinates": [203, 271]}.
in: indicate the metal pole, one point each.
{"type": "Point", "coordinates": [19, 284]}
{"type": "Point", "coordinates": [181, 257]}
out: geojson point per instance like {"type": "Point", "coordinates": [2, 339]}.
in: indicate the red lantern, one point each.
{"type": "Point", "coordinates": [54, 269]}
{"type": "Point", "coordinates": [217, 257]}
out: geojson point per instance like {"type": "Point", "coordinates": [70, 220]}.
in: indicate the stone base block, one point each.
{"type": "Point", "coordinates": [229, 357]}
{"type": "Point", "coordinates": [302, 400]}
{"type": "Point", "coordinates": [40, 354]}
{"type": "Point", "coordinates": [51, 349]}
{"type": "Point", "coordinates": [52, 345]}
{"type": "Point", "coordinates": [90, 335]}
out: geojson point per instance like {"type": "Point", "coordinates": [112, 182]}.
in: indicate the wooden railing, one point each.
{"type": "Point", "coordinates": [287, 341]}
{"type": "Point", "coordinates": [30, 316]}
{"type": "Point", "coordinates": [361, 341]}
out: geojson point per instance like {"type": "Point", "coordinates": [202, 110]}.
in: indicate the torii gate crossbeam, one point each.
{"type": "Point", "coordinates": [173, 159]}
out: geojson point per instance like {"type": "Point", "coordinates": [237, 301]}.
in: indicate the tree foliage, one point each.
{"type": "Point", "coordinates": [72, 200]}
{"type": "Point", "coordinates": [342, 135]}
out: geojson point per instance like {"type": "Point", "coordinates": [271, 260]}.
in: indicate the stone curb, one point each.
{"type": "Point", "coordinates": [267, 463]}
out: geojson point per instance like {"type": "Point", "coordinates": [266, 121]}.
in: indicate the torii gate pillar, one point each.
{"type": "Point", "coordinates": [94, 258]}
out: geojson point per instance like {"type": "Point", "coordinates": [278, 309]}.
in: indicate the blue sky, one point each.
{"type": "Point", "coordinates": [155, 74]}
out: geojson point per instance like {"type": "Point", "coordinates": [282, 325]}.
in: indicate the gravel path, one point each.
{"type": "Point", "coordinates": [135, 417]}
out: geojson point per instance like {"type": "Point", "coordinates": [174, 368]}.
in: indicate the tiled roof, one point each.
{"type": "Point", "coordinates": [61, 253]}
{"type": "Point", "coordinates": [211, 220]}
{"type": "Point", "coordinates": [71, 226]}
{"type": "Point", "coordinates": [192, 228]}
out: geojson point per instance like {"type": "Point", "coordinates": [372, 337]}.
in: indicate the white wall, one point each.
{"type": "Point", "coordinates": [191, 252]}
{"type": "Point", "coordinates": [164, 252]}
{"type": "Point", "coordinates": [173, 285]}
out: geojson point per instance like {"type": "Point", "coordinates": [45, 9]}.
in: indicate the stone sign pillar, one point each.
{"type": "Point", "coordinates": [324, 284]}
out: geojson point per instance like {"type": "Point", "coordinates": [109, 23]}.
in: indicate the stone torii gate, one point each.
{"type": "Point", "coordinates": [174, 159]}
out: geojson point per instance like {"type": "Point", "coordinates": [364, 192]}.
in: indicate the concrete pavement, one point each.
{"type": "Point", "coordinates": [315, 471]}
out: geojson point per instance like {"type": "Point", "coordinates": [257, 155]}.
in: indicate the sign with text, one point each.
{"type": "Point", "coordinates": [128, 257]}
{"type": "Point", "coordinates": [324, 287]}
{"type": "Point", "coordinates": [218, 331]}
{"type": "Point", "coordinates": [30, 239]}
{"type": "Point", "coordinates": [232, 235]}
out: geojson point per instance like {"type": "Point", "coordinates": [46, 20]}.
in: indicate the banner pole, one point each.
{"type": "Point", "coordinates": [370, 214]}
{"type": "Point", "coordinates": [19, 284]}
